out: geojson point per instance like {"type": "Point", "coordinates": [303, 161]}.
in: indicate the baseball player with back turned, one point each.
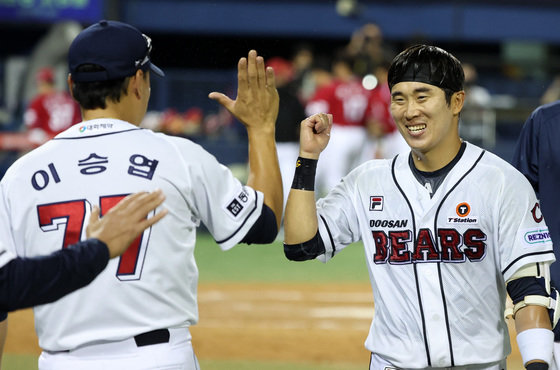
{"type": "Point", "coordinates": [23, 280]}
{"type": "Point", "coordinates": [136, 314]}
{"type": "Point", "coordinates": [448, 231]}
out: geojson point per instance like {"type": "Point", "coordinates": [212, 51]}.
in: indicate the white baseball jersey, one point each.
{"type": "Point", "coordinates": [5, 255]}
{"type": "Point", "coordinates": [48, 194]}
{"type": "Point", "coordinates": [438, 265]}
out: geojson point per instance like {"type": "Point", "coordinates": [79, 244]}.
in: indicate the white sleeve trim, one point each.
{"type": "Point", "coordinates": [325, 235]}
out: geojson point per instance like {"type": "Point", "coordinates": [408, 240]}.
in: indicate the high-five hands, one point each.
{"type": "Point", "coordinates": [256, 105]}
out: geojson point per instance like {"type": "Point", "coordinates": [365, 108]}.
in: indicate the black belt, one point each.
{"type": "Point", "coordinates": [145, 339]}
{"type": "Point", "coordinates": [152, 337]}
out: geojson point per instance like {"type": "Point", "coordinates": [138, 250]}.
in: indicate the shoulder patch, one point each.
{"type": "Point", "coordinates": [536, 236]}
{"type": "Point", "coordinates": [234, 207]}
{"type": "Point", "coordinates": [237, 204]}
{"type": "Point", "coordinates": [537, 214]}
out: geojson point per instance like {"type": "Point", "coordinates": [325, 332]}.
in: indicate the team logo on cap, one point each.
{"type": "Point", "coordinates": [141, 62]}
{"type": "Point", "coordinates": [376, 203]}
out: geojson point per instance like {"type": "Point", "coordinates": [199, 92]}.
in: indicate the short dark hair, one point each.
{"type": "Point", "coordinates": [93, 95]}
{"type": "Point", "coordinates": [428, 64]}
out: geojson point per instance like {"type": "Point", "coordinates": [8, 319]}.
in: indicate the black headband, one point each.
{"type": "Point", "coordinates": [427, 64]}
{"type": "Point", "coordinates": [421, 75]}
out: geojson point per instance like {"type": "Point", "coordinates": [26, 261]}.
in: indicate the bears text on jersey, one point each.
{"type": "Point", "coordinates": [397, 247]}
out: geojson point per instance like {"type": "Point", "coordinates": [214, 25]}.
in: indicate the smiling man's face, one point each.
{"type": "Point", "coordinates": [423, 116]}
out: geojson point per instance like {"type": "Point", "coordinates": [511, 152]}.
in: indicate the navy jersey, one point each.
{"type": "Point", "coordinates": [537, 156]}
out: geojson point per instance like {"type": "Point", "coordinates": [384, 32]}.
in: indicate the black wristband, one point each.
{"type": "Point", "coordinates": [537, 366]}
{"type": "Point", "coordinates": [304, 177]}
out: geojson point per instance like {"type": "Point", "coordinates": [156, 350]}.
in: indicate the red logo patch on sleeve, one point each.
{"type": "Point", "coordinates": [537, 214]}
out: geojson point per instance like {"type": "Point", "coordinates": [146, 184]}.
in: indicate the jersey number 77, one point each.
{"type": "Point", "coordinates": [72, 215]}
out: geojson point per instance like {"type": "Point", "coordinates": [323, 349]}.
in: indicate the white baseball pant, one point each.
{"type": "Point", "coordinates": [377, 363]}
{"type": "Point", "coordinates": [556, 357]}
{"type": "Point", "coordinates": [177, 354]}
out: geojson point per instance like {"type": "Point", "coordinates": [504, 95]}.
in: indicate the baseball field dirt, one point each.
{"type": "Point", "coordinates": [276, 322]}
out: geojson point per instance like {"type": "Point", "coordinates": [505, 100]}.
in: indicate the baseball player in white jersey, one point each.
{"type": "Point", "coordinates": [448, 230]}
{"type": "Point", "coordinates": [137, 312]}
{"type": "Point", "coordinates": [23, 280]}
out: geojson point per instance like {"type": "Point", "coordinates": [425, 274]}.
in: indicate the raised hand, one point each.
{"type": "Point", "coordinates": [256, 105]}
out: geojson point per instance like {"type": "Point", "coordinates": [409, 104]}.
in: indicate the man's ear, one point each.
{"type": "Point", "coordinates": [70, 83]}
{"type": "Point", "coordinates": [136, 84]}
{"type": "Point", "coordinates": [457, 101]}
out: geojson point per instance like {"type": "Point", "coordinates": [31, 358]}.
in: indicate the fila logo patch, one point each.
{"type": "Point", "coordinates": [376, 203]}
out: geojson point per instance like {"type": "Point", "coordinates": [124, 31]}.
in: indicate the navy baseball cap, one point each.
{"type": "Point", "coordinates": [119, 48]}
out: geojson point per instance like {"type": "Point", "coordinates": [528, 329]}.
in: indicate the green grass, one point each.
{"type": "Point", "coordinates": [267, 263]}
{"type": "Point", "coordinates": [257, 365]}
{"type": "Point", "coordinates": [19, 362]}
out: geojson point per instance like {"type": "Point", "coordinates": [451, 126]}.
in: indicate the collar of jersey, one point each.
{"type": "Point", "coordinates": [95, 127]}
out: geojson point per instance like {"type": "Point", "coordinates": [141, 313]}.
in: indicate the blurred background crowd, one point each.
{"type": "Point", "coordinates": [327, 55]}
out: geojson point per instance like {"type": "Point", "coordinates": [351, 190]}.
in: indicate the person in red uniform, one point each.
{"type": "Point", "coordinates": [348, 102]}
{"type": "Point", "coordinates": [51, 111]}
{"type": "Point", "coordinates": [384, 139]}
